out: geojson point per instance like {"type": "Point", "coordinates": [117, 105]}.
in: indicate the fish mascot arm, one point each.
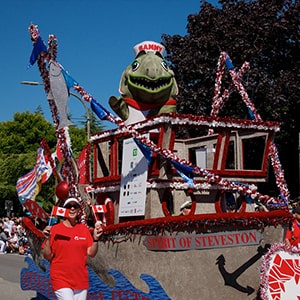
{"type": "Point", "coordinates": [119, 106]}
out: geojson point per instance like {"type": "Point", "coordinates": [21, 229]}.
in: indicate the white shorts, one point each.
{"type": "Point", "coordinates": [69, 294]}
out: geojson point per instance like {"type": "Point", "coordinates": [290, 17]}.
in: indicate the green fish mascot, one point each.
{"type": "Point", "coordinates": [147, 86]}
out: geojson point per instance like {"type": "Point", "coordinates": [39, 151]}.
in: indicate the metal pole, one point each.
{"type": "Point", "coordinates": [87, 112]}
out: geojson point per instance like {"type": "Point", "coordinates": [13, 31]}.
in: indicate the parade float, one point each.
{"type": "Point", "coordinates": [142, 177]}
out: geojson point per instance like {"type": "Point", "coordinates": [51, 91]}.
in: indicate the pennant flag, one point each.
{"type": "Point", "coordinates": [69, 80]}
{"type": "Point", "coordinates": [186, 172]}
{"type": "Point", "coordinates": [99, 209]}
{"type": "Point", "coordinates": [83, 164]}
{"type": "Point", "coordinates": [38, 48]}
{"type": "Point", "coordinates": [251, 113]}
{"type": "Point", "coordinates": [60, 211]}
{"type": "Point", "coordinates": [229, 63]}
{"type": "Point", "coordinates": [99, 110]}
{"type": "Point", "coordinates": [29, 185]}
{"type": "Point", "coordinates": [147, 152]}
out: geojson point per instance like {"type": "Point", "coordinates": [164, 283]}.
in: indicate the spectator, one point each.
{"type": "Point", "coordinates": [13, 242]}
{"type": "Point", "coordinates": [8, 224]}
{"type": "Point", "coordinates": [3, 241]}
{"type": "Point", "coordinates": [292, 236]}
{"type": "Point", "coordinates": [2, 224]}
{"type": "Point", "coordinates": [185, 208]}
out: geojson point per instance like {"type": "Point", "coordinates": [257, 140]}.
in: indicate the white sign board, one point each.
{"type": "Point", "coordinates": [133, 180]}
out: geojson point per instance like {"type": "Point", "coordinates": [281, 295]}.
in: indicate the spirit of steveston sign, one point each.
{"type": "Point", "coordinates": [203, 241]}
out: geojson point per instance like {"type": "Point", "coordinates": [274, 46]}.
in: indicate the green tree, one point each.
{"type": "Point", "coordinates": [264, 33]}
{"type": "Point", "coordinates": [78, 139]}
{"type": "Point", "coordinates": [19, 141]}
{"type": "Point", "coordinates": [96, 125]}
{"type": "Point", "coordinates": [24, 133]}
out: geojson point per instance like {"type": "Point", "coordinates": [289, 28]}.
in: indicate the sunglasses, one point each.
{"type": "Point", "coordinates": [69, 206]}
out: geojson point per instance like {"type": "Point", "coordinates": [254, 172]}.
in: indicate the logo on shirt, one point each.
{"type": "Point", "coordinates": [79, 238]}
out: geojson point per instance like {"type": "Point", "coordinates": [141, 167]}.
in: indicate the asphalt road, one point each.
{"type": "Point", "coordinates": [10, 268]}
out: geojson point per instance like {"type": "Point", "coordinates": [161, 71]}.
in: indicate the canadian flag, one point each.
{"type": "Point", "coordinates": [60, 211]}
{"type": "Point", "coordinates": [99, 209]}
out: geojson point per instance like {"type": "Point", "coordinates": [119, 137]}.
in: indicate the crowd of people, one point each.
{"type": "Point", "coordinates": [13, 236]}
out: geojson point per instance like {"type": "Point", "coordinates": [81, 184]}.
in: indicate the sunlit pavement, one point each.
{"type": "Point", "coordinates": [10, 268]}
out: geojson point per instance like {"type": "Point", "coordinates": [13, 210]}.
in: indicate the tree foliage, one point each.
{"type": "Point", "coordinates": [24, 133]}
{"type": "Point", "coordinates": [264, 33]}
{"type": "Point", "coordinates": [19, 142]}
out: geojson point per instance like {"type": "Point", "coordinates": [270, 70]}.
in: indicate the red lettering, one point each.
{"type": "Point", "coordinates": [253, 236]}
{"type": "Point", "coordinates": [152, 47]}
{"type": "Point", "coordinates": [197, 241]}
{"type": "Point", "coordinates": [237, 238]}
{"type": "Point", "coordinates": [165, 243]}
{"type": "Point", "coordinates": [245, 238]}
{"type": "Point", "coordinates": [151, 242]}
{"type": "Point", "coordinates": [189, 241]}
{"type": "Point", "coordinates": [223, 239]}
{"type": "Point", "coordinates": [118, 294]}
{"type": "Point", "coordinates": [210, 241]}
{"type": "Point", "coordinates": [182, 242]}
{"type": "Point", "coordinates": [95, 296]}
{"type": "Point", "coordinates": [217, 239]}
{"type": "Point", "coordinates": [230, 239]}
{"type": "Point", "coordinates": [172, 240]}
{"type": "Point", "coordinates": [204, 240]}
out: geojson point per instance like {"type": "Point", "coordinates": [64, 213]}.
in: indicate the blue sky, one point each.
{"type": "Point", "coordinates": [95, 44]}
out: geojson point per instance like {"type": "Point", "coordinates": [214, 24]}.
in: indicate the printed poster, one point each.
{"type": "Point", "coordinates": [133, 180]}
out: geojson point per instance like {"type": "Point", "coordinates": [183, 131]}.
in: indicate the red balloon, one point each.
{"type": "Point", "coordinates": [62, 190]}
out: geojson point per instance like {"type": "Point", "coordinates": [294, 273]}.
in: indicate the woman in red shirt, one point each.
{"type": "Point", "coordinates": [67, 246]}
{"type": "Point", "coordinates": [292, 236]}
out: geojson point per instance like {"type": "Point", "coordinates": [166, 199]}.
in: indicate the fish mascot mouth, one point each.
{"type": "Point", "coordinates": [148, 85]}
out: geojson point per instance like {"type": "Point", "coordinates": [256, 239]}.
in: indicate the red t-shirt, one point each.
{"type": "Point", "coordinates": [68, 266]}
{"type": "Point", "coordinates": [294, 235]}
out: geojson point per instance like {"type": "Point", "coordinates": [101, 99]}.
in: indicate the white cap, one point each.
{"type": "Point", "coordinates": [71, 200]}
{"type": "Point", "coordinates": [149, 46]}
{"type": "Point", "coordinates": [186, 204]}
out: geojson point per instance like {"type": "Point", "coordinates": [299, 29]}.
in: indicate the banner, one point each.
{"type": "Point", "coordinates": [203, 241]}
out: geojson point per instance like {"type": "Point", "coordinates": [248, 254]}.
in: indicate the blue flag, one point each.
{"type": "Point", "coordinates": [186, 172]}
{"type": "Point", "coordinates": [69, 80]}
{"type": "Point", "coordinates": [229, 64]}
{"type": "Point", "coordinates": [99, 110]}
{"type": "Point", "coordinates": [252, 116]}
{"type": "Point", "coordinates": [146, 150]}
{"type": "Point", "coordinates": [38, 48]}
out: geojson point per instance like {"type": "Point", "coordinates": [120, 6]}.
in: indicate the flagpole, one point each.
{"type": "Point", "coordinates": [51, 216]}
{"type": "Point", "coordinates": [96, 218]}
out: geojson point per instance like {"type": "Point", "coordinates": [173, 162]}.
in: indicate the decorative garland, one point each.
{"type": "Point", "coordinates": [62, 134]}
{"type": "Point", "coordinates": [191, 120]}
{"type": "Point", "coordinates": [197, 223]}
{"type": "Point", "coordinates": [219, 101]}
